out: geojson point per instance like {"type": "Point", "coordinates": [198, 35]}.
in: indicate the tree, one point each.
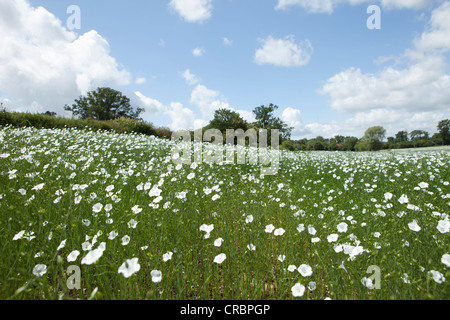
{"type": "Point", "coordinates": [104, 104]}
{"type": "Point", "coordinates": [227, 119]}
{"type": "Point", "coordinates": [266, 120]}
{"type": "Point", "coordinates": [373, 138]}
{"type": "Point", "coordinates": [444, 131]}
{"type": "Point", "coordinates": [350, 143]}
{"type": "Point", "coordinates": [401, 136]}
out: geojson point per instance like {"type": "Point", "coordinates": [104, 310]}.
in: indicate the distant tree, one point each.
{"type": "Point", "coordinates": [401, 136]}
{"type": "Point", "coordinates": [265, 119]}
{"type": "Point", "coordinates": [227, 119]}
{"type": "Point", "coordinates": [104, 104]}
{"type": "Point", "coordinates": [50, 114]}
{"type": "Point", "coordinates": [444, 131]}
{"type": "Point", "coordinates": [372, 139]}
{"type": "Point", "coordinates": [350, 143]}
{"type": "Point", "coordinates": [418, 135]}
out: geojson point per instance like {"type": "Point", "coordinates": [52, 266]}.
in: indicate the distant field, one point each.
{"type": "Point", "coordinates": [429, 149]}
{"type": "Point", "coordinates": [327, 226]}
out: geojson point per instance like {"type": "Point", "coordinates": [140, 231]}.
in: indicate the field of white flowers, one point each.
{"type": "Point", "coordinates": [327, 226]}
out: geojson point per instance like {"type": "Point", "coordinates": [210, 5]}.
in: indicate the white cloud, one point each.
{"type": "Point", "coordinates": [45, 66]}
{"type": "Point", "coordinates": [198, 52]}
{"type": "Point", "coordinates": [328, 6]}
{"type": "Point", "coordinates": [195, 11]}
{"type": "Point", "coordinates": [293, 118]}
{"type": "Point", "coordinates": [208, 101]}
{"type": "Point", "coordinates": [190, 78]}
{"type": "Point", "coordinates": [422, 86]}
{"type": "Point", "coordinates": [182, 118]}
{"type": "Point", "coordinates": [247, 115]}
{"type": "Point", "coordinates": [227, 42]}
{"type": "Point", "coordinates": [151, 106]}
{"type": "Point", "coordinates": [284, 52]}
{"type": "Point", "coordinates": [437, 36]}
{"type": "Point", "coordinates": [141, 81]}
{"type": "Point", "coordinates": [392, 121]}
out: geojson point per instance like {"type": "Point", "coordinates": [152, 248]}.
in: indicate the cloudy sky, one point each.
{"type": "Point", "coordinates": [182, 59]}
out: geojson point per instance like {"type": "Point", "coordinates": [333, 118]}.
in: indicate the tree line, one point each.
{"type": "Point", "coordinates": [105, 104]}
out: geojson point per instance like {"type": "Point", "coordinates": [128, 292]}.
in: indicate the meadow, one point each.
{"type": "Point", "coordinates": [340, 226]}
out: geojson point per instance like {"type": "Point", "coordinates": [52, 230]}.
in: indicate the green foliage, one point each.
{"type": "Point", "coordinates": [103, 104]}
{"type": "Point", "coordinates": [444, 131]}
{"type": "Point", "coordinates": [265, 119]}
{"type": "Point", "coordinates": [43, 121]}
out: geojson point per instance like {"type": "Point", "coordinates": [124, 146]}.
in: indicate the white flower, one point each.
{"type": "Point", "coordinates": [132, 224]}
{"type": "Point", "coordinates": [332, 238]}
{"type": "Point", "coordinates": [108, 207]}
{"type": "Point", "coordinates": [220, 258]}
{"type": "Point", "coordinates": [19, 235]}
{"type": "Point", "coordinates": [437, 276]}
{"type": "Point", "coordinates": [112, 235]}
{"type": "Point", "coordinates": [218, 242]}
{"type": "Point", "coordinates": [446, 259]}
{"type": "Point", "coordinates": [215, 197]}
{"type": "Point", "coordinates": [94, 255]}
{"type": "Point", "coordinates": [403, 199]}
{"type": "Point", "coordinates": [249, 219]}
{"type": "Point", "coordinates": [156, 276]}
{"type": "Point", "coordinates": [110, 188]}
{"type": "Point", "coordinates": [315, 240]}
{"type": "Point", "coordinates": [298, 290]}
{"type": "Point", "coordinates": [38, 187]}
{"type": "Point", "coordinates": [61, 245]}
{"type": "Point", "coordinates": [444, 226]}
{"type": "Point", "coordinates": [86, 222]}
{"type": "Point", "coordinates": [312, 286]}
{"type": "Point", "coordinates": [269, 228]}
{"type": "Point", "coordinates": [207, 228]}
{"type": "Point", "coordinates": [292, 268]}
{"type": "Point", "coordinates": [125, 240]}
{"type": "Point", "coordinates": [377, 234]}
{"type": "Point", "coordinates": [414, 226]}
{"type": "Point", "coordinates": [155, 192]}
{"type": "Point", "coordinates": [281, 258]}
{"type": "Point", "coordinates": [388, 196]}
{"type": "Point", "coordinates": [423, 185]}
{"type": "Point", "coordinates": [305, 270]}
{"type": "Point", "coordinates": [251, 247]}
{"type": "Point", "coordinates": [97, 208]}
{"type": "Point", "coordinates": [279, 232]}
{"type": "Point", "coordinates": [129, 267]}
{"type": "Point", "coordinates": [73, 256]}
{"type": "Point", "coordinates": [167, 256]}
{"type": "Point", "coordinates": [312, 231]}
{"type": "Point", "coordinates": [191, 176]}
{"type": "Point", "coordinates": [301, 228]}
{"type": "Point", "coordinates": [39, 270]}
{"type": "Point", "coordinates": [136, 209]}
{"type": "Point", "coordinates": [367, 282]}
{"type": "Point", "coordinates": [342, 227]}
{"type": "Point", "coordinates": [22, 191]}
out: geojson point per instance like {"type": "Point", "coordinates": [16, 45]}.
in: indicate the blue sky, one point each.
{"type": "Point", "coordinates": [316, 60]}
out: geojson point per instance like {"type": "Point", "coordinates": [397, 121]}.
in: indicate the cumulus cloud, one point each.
{"type": "Point", "coordinates": [141, 81]}
{"type": "Point", "coordinates": [328, 6]}
{"type": "Point", "coordinates": [227, 42]}
{"type": "Point", "coordinates": [45, 66]}
{"type": "Point", "coordinates": [190, 78]}
{"type": "Point", "coordinates": [392, 120]}
{"type": "Point", "coordinates": [422, 86]}
{"type": "Point", "coordinates": [208, 101]}
{"type": "Point", "coordinates": [293, 118]}
{"type": "Point", "coordinates": [198, 52]}
{"type": "Point", "coordinates": [182, 118]}
{"type": "Point", "coordinates": [150, 105]}
{"type": "Point", "coordinates": [194, 11]}
{"type": "Point", "coordinates": [284, 52]}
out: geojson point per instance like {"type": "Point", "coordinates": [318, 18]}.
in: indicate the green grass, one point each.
{"type": "Point", "coordinates": [314, 189]}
